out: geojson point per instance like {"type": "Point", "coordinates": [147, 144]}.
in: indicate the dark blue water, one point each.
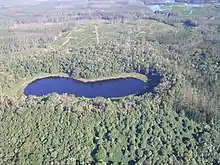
{"type": "Point", "coordinates": [189, 23]}
{"type": "Point", "coordinates": [108, 88]}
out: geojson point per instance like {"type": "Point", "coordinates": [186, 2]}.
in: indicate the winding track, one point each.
{"type": "Point", "coordinates": [91, 36]}
{"type": "Point", "coordinates": [67, 40]}
{"type": "Point", "coordinates": [103, 36]}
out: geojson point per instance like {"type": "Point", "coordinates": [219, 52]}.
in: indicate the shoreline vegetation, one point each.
{"type": "Point", "coordinates": [17, 89]}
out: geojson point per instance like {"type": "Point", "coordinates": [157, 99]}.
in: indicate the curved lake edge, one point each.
{"type": "Point", "coordinates": [119, 76]}
{"type": "Point", "coordinates": [108, 88]}
{"type": "Point", "coordinates": [20, 86]}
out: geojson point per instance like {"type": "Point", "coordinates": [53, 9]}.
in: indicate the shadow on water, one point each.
{"type": "Point", "coordinates": [154, 79]}
{"type": "Point", "coordinates": [111, 88]}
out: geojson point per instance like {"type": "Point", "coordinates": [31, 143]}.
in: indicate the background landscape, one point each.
{"type": "Point", "coordinates": [176, 123]}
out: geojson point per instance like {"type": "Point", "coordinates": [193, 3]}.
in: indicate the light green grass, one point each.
{"type": "Point", "coordinates": [17, 89]}
{"type": "Point", "coordinates": [185, 10]}
{"type": "Point", "coordinates": [123, 75]}
{"type": "Point", "coordinates": [85, 36]}
{"type": "Point", "coordinates": [175, 5]}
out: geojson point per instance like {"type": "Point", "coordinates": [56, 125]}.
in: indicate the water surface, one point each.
{"type": "Point", "coordinates": [107, 88]}
{"type": "Point", "coordinates": [189, 23]}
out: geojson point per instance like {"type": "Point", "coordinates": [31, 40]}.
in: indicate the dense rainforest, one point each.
{"type": "Point", "coordinates": [177, 123]}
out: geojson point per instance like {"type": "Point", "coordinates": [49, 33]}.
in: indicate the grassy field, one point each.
{"type": "Point", "coordinates": [188, 10]}
{"type": "Point", "coordinates": [17, 89]}
{"type": "Point", "coordinates": [84, 36]}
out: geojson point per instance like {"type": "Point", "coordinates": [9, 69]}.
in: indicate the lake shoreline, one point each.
{"type": "Point", "coordinates": [28, 80]}
{"type": "Point", "coordinates": [124, 75]}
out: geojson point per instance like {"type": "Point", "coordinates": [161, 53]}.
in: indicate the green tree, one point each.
{"type": "Point", "coordinates": [100, 155]}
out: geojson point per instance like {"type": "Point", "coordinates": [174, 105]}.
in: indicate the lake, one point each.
{"type": "Point", "coordinates": [107, 88]}
{"type": "Point", "coordinates": [189, 23]}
